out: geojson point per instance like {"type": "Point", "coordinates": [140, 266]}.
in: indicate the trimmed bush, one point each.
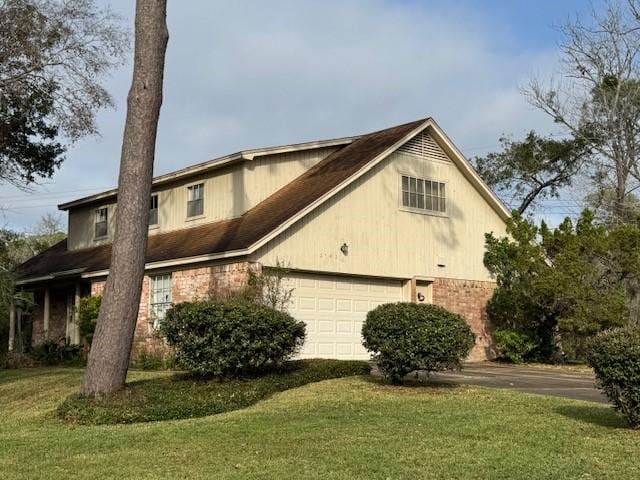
{"type": "Point", "coordinates": [404, 337]}
{"type": "Point", "coordinates": [235, 338]}
{"type": "Point", "coordinates": [57, 353]}
{"type": "Point", "coordinates": [88, 311]}
{"type": "Point", "coordinates": [615, 358]}
{"type": "Point", "coordinates": [181, 396]}
{"type": "Point", "coordinates": [513, 346]}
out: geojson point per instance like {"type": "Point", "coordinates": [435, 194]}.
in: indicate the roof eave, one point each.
{"type": "Point", "coordinates": [244, 155]}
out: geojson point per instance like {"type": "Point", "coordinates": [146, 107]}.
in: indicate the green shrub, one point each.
{"type": "Point", "coordinates": [182, 396]}
{"type": "Point", "coordinates": [50, 352]}
{"type": "Point", "coordinates": [88, 312]}
{"type": "Point", "coordinates": [153, 361]}
{"type": "Point", "coordinates": [234, 338]}
{"type": "Point", "coordinates": [615, 358]}
{"type": "Point", "coordinates": [512, 345]}
{"type": "Point", "coordinates": [404, 337]}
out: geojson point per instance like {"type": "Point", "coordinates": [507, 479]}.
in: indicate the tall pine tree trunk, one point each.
{"type": "Point", "coordinates": [112, 342]}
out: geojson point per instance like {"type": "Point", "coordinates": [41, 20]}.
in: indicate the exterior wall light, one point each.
{"type": "Point", "coordinates": [344, 249]}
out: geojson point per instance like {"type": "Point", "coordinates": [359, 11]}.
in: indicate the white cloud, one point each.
{"type": "Point", "coordinates": [251, 73]}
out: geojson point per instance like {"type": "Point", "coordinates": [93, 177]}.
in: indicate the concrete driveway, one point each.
{"type": "Point", "coordinates": [544, 381]}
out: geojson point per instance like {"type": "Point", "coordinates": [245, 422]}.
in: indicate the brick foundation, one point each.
{"type": "Point", "coordinates": [186, 285]}
{"type": "Point", "coordinates": [468, 298]}
{"type": "Point", "coordinates": [465, 297]}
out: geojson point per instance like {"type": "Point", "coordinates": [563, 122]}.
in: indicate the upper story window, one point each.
{"type": "Point", "coordinates": [153, 210]}
{"type": "Point", "coordinates": [425, 195]}
{"type": "Point", "coordinates": [160, 297]}
{"type": "Point", "coordinates": [101, 225]}
{"type": "Point", "coordinates": [195, 200]}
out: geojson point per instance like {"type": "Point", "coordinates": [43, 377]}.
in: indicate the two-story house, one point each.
{"type": "Point", "coordinates": [393, 215]}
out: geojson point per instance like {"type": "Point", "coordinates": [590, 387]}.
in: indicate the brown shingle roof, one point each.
{"type": "Point", "coordinates": [238, 233]}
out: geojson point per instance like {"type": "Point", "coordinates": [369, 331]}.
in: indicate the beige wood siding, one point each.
{"type": "Point", "coordinates": [383, 238]}
{"type": "Point", "coordinates": [228, 193]}
{"type": "Point", "coordinates": [81, 226]}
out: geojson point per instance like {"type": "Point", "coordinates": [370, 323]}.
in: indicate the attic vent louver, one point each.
{"type": "Point", "coordinates": [423, 145]}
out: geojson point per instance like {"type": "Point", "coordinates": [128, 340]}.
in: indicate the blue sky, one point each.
{"type": "Point", "coordinates": [252, 73]}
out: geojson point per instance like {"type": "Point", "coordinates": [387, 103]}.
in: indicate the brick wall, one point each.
{"type": "Point", "coordinates": [186, 285]}
{"type": "Point", "coordinates": [468, 298]}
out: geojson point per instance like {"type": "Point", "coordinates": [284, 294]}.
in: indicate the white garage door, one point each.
{"type": "Point", "coordinates": [334, 308]}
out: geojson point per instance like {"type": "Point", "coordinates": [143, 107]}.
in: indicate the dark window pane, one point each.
{"type": "Point", "coordinates": [421, 201]}
{"type": "Point", "coordinates": [428, 203]}
{"type": "Point", "coordinates": [196, 192]}
{"type": "Point", "coordinates": [412, 185]}
{"type": "Point", "coordinates": [412, 200]}
{"type": "Point", "coordinates": [101, 223]}
{"type": "Point", "coordinates": [405, 183]}
{"type": "Point", "coordinates": [405, 199]}
{"type": "Point", "coordinates": [101, 229]}
{"type": "Point", "coordinates": [443, 205]}
{"type": "Point", "coordinates": [195, 207]}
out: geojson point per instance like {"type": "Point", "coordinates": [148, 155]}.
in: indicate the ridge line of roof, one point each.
{"type": "Point", "coordinates": [217, 162]}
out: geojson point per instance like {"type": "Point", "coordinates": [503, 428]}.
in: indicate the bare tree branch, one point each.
{"type": "Point", "coordinates": [598, 100]}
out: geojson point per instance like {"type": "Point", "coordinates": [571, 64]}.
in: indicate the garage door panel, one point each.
{"type": "Point", "coordinates": [361, 306]}
{"type": "Point", "coordinates": [311, 324]}
{"type": "Point", "coordinates": [360, 286]}
{"type": "Point", "coordinates": [307, 303]}
{"type": "Point", "coordinates": [326, 304]}
{"type": "Point", "coordinates": [306, 283]}
{"type": "Point", "coordinates": [326, 349]}
{"type": "Point", "coordinates": [334, 309]}
{"type": "Point", "coordinates": [344, 349]}
{"type": "Point", "coordinates": [344, 326]}
{"type": "Point", "coordinates": [326, 326]}
{"type": "Point", "coordinates": [344, 305]}
{"type": "Point", "coordinates": [326, 284]}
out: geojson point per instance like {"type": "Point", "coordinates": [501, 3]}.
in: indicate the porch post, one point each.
{"type": "Point", "coordinates": [75, 337]}
{"type": "Point", "coordinates": [12, 325]}
{"type": "Point", "coordinates": [46, 312]}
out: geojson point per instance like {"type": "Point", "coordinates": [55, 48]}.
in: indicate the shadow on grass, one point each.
{"type": "Point", "coordinates": [602, 416]}
{"type": "Point", "coordinates": [411, 382]}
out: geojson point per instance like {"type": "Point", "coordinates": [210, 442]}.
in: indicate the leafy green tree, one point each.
{"type": "Point", "coordinates": [53, 58]}
{"type": "Point", "coordinates": [27, 137]}
{"type": "Point", "coordinates": [564, 285]}
{"type": "Point", "coordinates": [533, 169]}
{"type": "Point", "coordinates": [88, 312]}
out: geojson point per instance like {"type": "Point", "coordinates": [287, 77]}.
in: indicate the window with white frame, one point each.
{"type": "Point", "coordinates": [101, 225]}
{"type": "Point", "coordinates": [426, 195]}
{"type": "Point", "coordinates": [160, 297]}
{"type": "Point", "coordinates": [195, 200]}
{"type": "Point", "coordinates": [153, 210]}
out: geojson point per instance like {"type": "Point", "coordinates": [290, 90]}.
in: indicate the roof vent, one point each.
{"type": "Point", "coordinates": [423, 145]}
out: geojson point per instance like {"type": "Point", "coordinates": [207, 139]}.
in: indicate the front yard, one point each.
{"type": "Point", "coordinates": [338, 429]}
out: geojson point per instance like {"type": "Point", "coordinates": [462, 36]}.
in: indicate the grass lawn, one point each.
{"type": "Point", "coordinates": [337, 429]}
